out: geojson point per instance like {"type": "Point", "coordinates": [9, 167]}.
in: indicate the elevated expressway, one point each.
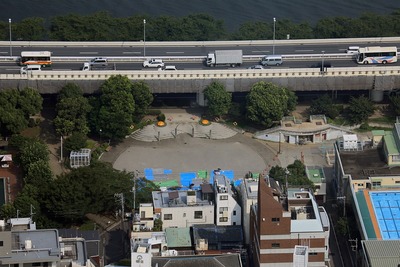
{"type": "Point", "coordinates": [377, 79]}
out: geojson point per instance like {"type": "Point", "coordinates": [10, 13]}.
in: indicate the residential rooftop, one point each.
{"type": "Point", "coordinates": [366, 163]}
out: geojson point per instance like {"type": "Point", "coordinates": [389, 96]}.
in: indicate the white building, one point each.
{"type": "Point", "coordinates": [227, 210]}
{"type": "Point", "coordinates": [184, 208]}
{"type": "Point", "coordinates": [248, 192]}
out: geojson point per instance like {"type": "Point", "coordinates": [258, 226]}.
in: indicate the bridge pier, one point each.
{"type": "Point", "coordinates": [376, 95]}
{"type": "Point", "coordinates": [201, 101]}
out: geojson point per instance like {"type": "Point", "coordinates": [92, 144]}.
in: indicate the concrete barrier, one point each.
{"type": "Point", "coordinates": [236, 43]}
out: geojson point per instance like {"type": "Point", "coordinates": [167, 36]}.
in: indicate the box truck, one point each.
{"type": "Point", "coordinates": [231, 58]}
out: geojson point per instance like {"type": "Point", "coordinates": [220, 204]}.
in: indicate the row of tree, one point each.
{"type": "Point", "coordinates": [101, 26]}
{"type": "Point", "coordinates": [65, 200]}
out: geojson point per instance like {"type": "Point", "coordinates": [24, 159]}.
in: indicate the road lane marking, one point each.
{"type": "Point", "coordinates": [258, 51]}
{"type": "Point", "coordinates": [175, 52]}
{"type": "Point", "coordinates": [88, 53]}
{"type": "Point", "coordinates": [131, 52]}
{"type": "Point", "coordinates": [304, 50]}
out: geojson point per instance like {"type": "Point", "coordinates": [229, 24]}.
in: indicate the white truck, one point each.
{"type": "Point", "coordinates": [231, 58]}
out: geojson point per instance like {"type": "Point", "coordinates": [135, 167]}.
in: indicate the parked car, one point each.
{"type": "Point", "coordinates": [153, 63]}
{"type": "Point", "coordinates": [256, 67]}
{"type": "Point", "coordinates": [169, 67]}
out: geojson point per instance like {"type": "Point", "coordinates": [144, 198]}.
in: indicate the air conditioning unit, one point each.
{"type": "Point", "coordinates": [164, 247]}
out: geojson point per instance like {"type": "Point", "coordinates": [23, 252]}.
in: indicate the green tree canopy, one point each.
{"type": "Point", "coordinates": [324, 105]}
{"type": "Point", "coordinates": [116, 109]}
{"type": "Point", "coordinates": [75, 142]}
{"type": "Point", "coordinates": [32, 152]}
{"type": "Point", "coordinates": [72, 109]}
{"type": "Point", "coordinates": [360, 109]}
{"type": "Point", "coordinates": [267, 103]}
{"type": "Point", "coordinates": [85, 190]}
{"type": "Point", "coordinates": [143, 98]}
{"type": "Point", "coordinates": [219, 100]}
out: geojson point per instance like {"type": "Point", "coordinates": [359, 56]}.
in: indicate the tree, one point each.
{"type": "Point", "coordinates": [395, 104]}
{"type": "Point", "coordinates": [360, 109]}
{"type": "Point", "coordinates": [85, 190]}
{"type": "Point", "coordinates": [142, 97]}
{"type": "Point", "coordinates": [296, 174]}
{"type": "Point", "coordinates": [324, 105]}
{"type": "Point", "coordinates": [30, 101]}
{"type": "Point", "coordinates": [72, 110]}
{"type": "Point", "coordinates": [75, 142]}
{"type": "Point", "coordinates": [267, 103]}
{"type": "Point", "coordinates": [219, 100]}
{"type": "Point", "coordinates": [116, 109]}
{"type": "Point", "coordinates": [38, 174]}
{"type": "Point", "coordinates": [32, 152]}
{"type": "Point", "coordinates": [30, 29]}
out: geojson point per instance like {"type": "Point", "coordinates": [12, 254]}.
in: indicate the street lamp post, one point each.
{"type": "Point", "coordinates": [273, 42]}
{"type": "Point", "coordinates": [322, 63]}
{"type": "Point", "coordinates": [279, 144]}
{"type": "Point", "coordinates": [286, 180]}
{"type": "Point", "coordinates": [144, 38]}
{"type": "Point", "coordinates": [9, 23]}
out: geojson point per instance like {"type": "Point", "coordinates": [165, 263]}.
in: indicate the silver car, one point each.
{"type": "Point", "coordinates": [153, 63]}
{"type": "Point", "coordinates": [256, 67]}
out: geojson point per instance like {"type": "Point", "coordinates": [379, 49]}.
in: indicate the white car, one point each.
{"type": "Point", "coordinates": [153, 63]}
{"type": "Point", "coordinates": [169, 67]}
{"type": "Point", "coordinates": [256, 67]}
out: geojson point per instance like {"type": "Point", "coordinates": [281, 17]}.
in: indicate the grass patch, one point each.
{"type": "Point", "coordinates": [88, 226]}
{"type": "Point", "coordinates": [385, 119]}
{"type": "Point", "coordinates": [91, 144]}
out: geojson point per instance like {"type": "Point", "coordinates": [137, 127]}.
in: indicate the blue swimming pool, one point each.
{"type": "Point", "coordinates": [387, 209]}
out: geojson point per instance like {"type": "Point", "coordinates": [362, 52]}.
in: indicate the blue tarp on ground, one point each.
{"type": "Point", "coordinates": [167, 171]}
{"type": "Point", "coordinates": [228, 174]}
{"type": "Point", "coordinates": [238, 182]}
{"type": "Point", "coordinates": [187, 177]}
{"type": "Point", "coordinates": [148, 173]}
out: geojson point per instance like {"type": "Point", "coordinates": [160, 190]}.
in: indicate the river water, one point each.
{"type": "Point", "coordinates": [233, 12]}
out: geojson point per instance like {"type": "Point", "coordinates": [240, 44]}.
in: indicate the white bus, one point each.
{"type": "Point", "coordinates": [377, 55]}
{"type": "Point", "coordinates": [42, 58]}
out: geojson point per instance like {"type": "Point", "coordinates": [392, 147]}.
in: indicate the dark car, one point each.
{"type": "Point", "coordinates": [327, 64]}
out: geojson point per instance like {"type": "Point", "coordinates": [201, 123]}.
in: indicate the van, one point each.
{"type": "Point", "coordinates": [352, 50]}
{"type": "Point", "coordinates": [98, 62]}
{"type": "Point", "coordinates": [26, 69]}
{"type": "Point", "coordinates": [271, 60]}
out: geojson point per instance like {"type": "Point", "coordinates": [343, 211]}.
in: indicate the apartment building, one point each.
{"type": "Point", "coordinates": [227, 210]}
{"type": "Point", "coordinates": [248, 194]}
{"type": "Point", "coordinates": [288, 229]}
{"type": "Point", "coordinates": [184, 208]}
{"type": "Point", "coordinates": [22, 245]}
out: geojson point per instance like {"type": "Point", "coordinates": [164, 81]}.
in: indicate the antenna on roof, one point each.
{"type": "Point", "coordinates": [32, 213]}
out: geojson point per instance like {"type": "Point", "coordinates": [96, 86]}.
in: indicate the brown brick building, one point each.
{"type": "Point", "coordinates": [288, 229]}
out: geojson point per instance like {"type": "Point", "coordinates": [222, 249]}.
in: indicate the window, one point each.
{"type": "Point", "coordinates": [223, 197]}
{"type": "Point", "coordinates": [198, 214]}
{"type": "Point", "coordinates": [234, 213]}
{"type": "Point", "coordinates": [275, 245]}
{"type": "Point", "coordinates": [223, 219]}
{"type": "Point", "coordinates": [312, 254]}
{"type": "Point", "coordinates": [275, 219]}
{"type": "Point", "coordinates": [1, 243]}
{"type": "Point", "coordinates": [167, 217]}
{"type": "Point", "coordinates": [36, 264]}
{"type": "Point", "coordinates": [376, 183]}
{"type": "Point", "coordinates": [397, 182]}
{"type": "Point", "coordinates": [222, 209]}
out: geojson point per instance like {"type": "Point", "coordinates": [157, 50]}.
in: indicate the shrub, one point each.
{"type": "Point", "coordinates": [161, 117]}
{"type": "Point", "coordinates": [154, 112]}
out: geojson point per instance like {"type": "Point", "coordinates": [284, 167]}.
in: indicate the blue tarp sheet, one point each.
{"type": "Point", "coordinates": [187, 177]}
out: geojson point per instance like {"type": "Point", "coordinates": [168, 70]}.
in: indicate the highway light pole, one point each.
{"type": "Point", "coordinates": [273, 42]}
{"type": "Point", "coordinates": [144, 38]}
{"type": "Point", "coordinates": [9, 24]}
{"type": "Point", "coordinates": [322, 63]}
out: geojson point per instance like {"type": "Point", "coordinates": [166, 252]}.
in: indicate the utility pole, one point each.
{"type": "Point", "coordinates": [354, 247]}
{"type": "Point", "coordinates": [122, 201]}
